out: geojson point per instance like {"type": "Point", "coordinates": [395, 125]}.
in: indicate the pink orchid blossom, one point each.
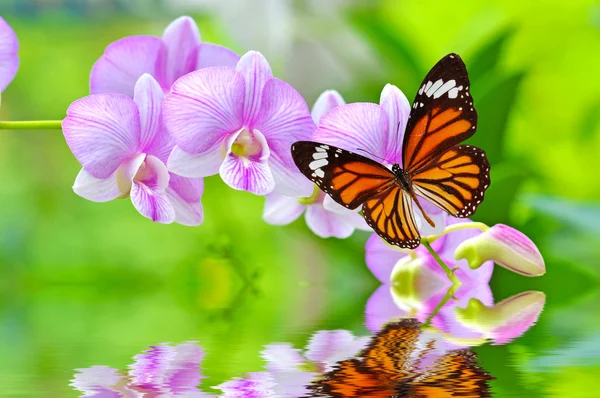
{"type": "Point", "coordinates": [9, 57]}
{"type": "Point", "coordinates": [414, 286]}
{"type": "Point", "coordinates": [507, 247]}
{"type": "Point", "coordinates": [177, 53]}
{"type": "Point", "coordinates": [240, 123]}
{"type": "Point", "coordinates": [289, 371]}
{"type": "Point", "coordinates": [123, 148]}
{"type": "Point", "coordinates": [377, 130]}
{"type": "Point", "coordinates": [163, 370]}
{"type": "Point", "coordinates": [323, 216]}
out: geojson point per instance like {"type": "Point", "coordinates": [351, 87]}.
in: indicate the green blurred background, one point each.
{"type": "Point", "coordinates": [83, 283]}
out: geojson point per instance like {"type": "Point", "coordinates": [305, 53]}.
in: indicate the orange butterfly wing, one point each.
{"type": "Point", "coordinates": [452, 177]}
{"type": "Point", "coordinates": [388, 368]}
{"type": "Point", "coordinates": [350, 179]}
{"type": "Point", "coordinates": [391, 215]}
{"type": "Point", "coordinates": [456, 181]}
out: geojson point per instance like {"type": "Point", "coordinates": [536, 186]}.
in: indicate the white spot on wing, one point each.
{"type": "Point", "coordinates": [320, 173]}
{"type": "Point", "coordinates": [427, 86]}
{"type": "Point", "coordinates": [444, 88]}
{"type": "Point", "coordinates": [319, 155]}
{"type": "Point", "coordinates": [316, 164]}
{"type": "Point", "coordinates": [434, 87]}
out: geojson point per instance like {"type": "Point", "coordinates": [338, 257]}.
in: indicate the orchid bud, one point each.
{"type": "Point", "coordinates": [506, 320]}
{"type": "Point", "coordinates": [507, 247]}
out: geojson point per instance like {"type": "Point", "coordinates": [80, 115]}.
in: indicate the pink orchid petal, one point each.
{"type": "Point", "coordinates": [281, 210]}
{"type": "Point", "coordinates": [381, 258]}
{"type": "Point", "coordinates": [284, 119]}
{"type": "Point", "coordinates": [250, 174]}
{"type": "Point", "coordinates": [214, 55]}
{"type": "Point", "coordinates": [327, 224]}
{"type": "Point", "coordinates": [148, 97]}
{"type": "Point", "coordinates": [531, 306]}
{"type": "Point", "coordinates": [257, 72]}
{"type": "Point", "coordinates": [381, 309]}
{"type": "Point", "coordinates": [199, 165]}
{"type": "Point", "coordinates": [182, 40]}
{"type": "Point", "coordinates": [148, 195]}
{"type": "Point", "coordinates": [328, 100]}
{"type": "Point", "coordinates": [102, 131]}
{"type": "Point", "coordinates": [127, 171]}
{"type": "Point", "coordinates": [332, 205]}
{"type": "Point", "coordinates": [184, 195]}
{"type": "Point", "coordinates": [281, 357]}
{"type": "Point", "coordinates": [123, 62]}
{"type": "Point", "coordinates": [513, 250]}
{"type": "Point", "coordinates": [95, 189]}
{"type": "Point", "coordinates": [168, 369]}
{"type": "Point", "coordinates": [204, 107]}
{"type": "Point", "coordinates": [438, 218]}
{"type": "Point", "coordinates": [101, 381]}
{"type": "Point", "coordinates": [254, 385]}
{"type": "Point", "coordinates": [289, 181]}
{"type": "Point", "coordinates": [9, 54]}
{"type": "Point", "coordinates": [356, 126]}
{"type": "Point", "coordinates": [358, 222]}
{"type": "Point", "coordinates": [331, 346]}
{"type": "Point", "coordinates": [397, 108]}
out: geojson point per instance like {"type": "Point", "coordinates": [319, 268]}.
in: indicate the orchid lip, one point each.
{"type": "Point", "coordinates": [245, 144]}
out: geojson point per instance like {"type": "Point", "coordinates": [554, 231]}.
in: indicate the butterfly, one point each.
{"type": "Point", "coordinates": [402, 361]}
{"type": "Point", "coordinates": [451, 176]}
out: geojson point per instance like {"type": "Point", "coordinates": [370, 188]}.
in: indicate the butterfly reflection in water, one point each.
{"type": "Point", "coordinates": [435, 167]}
{"type": "Point", "coordinates": [404, 361]}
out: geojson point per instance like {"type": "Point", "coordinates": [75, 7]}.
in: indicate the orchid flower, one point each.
{"type": "Point", "coordinates": [323, 216]}
{"type": "Point", "coordinates": [377, 130]}
{"type": "Point", "coordinates": [414, 284]}
{"type": "Point", "coordinates": [123, 147]}
{"type": "Point", "coordinates": [9, 57]}
{"type": "Point", "coordinates": [177, 53]}
{"type": "Point", "coordinates": [289, 370]}
{"type": "Point", "coordinates": [239, 122]}
{"type": "Point", "coordinates": [507, 247]}
{"type": "Point", "coordinates": [163, 370]}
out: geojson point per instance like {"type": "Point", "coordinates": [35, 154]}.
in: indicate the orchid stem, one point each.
{"type": "Point", "coordinates": [449, 272]}
{"type": "Point", "coordinates": [32, 125]}
{"type": "Point", "coordinates": [457, 227]}
{"type": "Point", "coordinates": [448, 296]}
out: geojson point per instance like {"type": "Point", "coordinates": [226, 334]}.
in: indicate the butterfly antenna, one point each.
{"type": "Point", "coordinates": [372, 154]}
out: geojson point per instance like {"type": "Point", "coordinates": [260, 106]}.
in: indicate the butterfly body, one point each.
{"type": "Point", "coordinates": [434, 167]}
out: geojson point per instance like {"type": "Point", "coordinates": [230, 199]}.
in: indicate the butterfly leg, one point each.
{"type": "Point", "coordinates": [425, 216]}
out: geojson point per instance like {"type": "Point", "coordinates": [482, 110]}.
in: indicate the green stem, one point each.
{"type": "Point", "coordinates": [32, 125]}
{"type": "Point", "coordinates": [448, 296]}
{"type": "Point", "coordinates": [456, 227]}
{"type": "Point", "coordinates": [449, 272]}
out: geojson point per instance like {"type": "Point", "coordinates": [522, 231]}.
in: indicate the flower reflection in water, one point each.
{"type": "Point", "coordinates": [161, 371]}
{"type": "Point", "coordinates": [429, 356]}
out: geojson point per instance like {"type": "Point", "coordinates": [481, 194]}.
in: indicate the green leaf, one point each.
{"type": "Point", "coordinates": [590, 121]}
{"type": "Point", "coordinates": [506, 181]}
{"type": "Point", "coordinates": [494, 108]}
{"type": "Point", "coordinates": [579, 215]}
{"type": "Point", "coordinates": [485, 60]}
{"type": "Point", "coordinates": [388, 42]}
